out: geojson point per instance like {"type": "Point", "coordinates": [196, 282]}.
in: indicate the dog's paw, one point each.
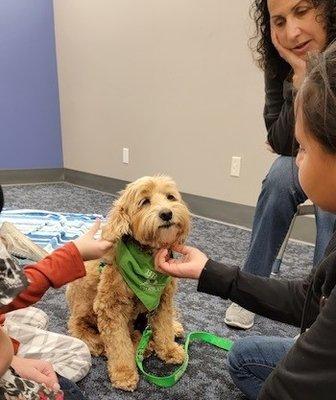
{"type": "Point", "coordinates": [178, 329]}
{"type": "Point", "coordinates": [171, 354]}
{"type": "Point", "coordinates": [124, 377]}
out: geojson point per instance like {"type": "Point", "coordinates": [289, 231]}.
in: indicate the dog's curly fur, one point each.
{"type": "Point", "coordinates": [103, 308]}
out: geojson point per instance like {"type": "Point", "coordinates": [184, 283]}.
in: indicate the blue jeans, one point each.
{"type": "Point", "coordinates": [280, 195]}
{"type": "Point", "coordinates": [252, 359]}
{"type": "Point", "coordinates": [70, 389]}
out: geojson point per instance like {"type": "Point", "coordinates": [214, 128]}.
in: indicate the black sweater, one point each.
{"type": "Point", "coordinates": [279, 111]}
{"type": "Point", "coordinates": [308, 371]}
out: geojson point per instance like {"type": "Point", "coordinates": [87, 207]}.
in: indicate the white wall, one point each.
{"type": "Point", "coordinates": [174, 81]}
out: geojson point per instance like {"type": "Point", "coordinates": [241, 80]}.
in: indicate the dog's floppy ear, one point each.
{"type": "Point", "coordinates": [118, 223]}
{"type": "Point", "coordinates": [186, 220]}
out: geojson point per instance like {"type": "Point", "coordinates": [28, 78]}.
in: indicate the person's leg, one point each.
{"type": "Point", "coordinates": [325, 227]}
{"type": "Point", "coordinates": [252, 359]}
{"type": "Point", "coordinates": [70, 389]}
{"type": "Point", "coordinates": [277, 204]}
{"type": "Point", "coordinates": [31, 316]}
{"type": "Point", "coordinates": [69, 356]}
{"type": "Point", "coordinates": [280, 195]}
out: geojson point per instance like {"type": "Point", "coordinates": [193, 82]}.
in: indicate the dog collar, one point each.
{"type": "Point", "coordinates": [137, 269]}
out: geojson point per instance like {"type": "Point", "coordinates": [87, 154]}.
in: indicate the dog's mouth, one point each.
{"type": "Point", "coordinates": [167, 225]}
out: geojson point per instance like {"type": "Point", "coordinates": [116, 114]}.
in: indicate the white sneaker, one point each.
{"type": "Point", "coordinates": [238, 317]}
{"type": "Point", "coordinates": [20, 245]}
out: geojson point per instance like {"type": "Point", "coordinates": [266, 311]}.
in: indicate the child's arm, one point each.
{"type": "Point", "coordinates": [62, 266]}
{"type": "Point", "coordinates": [6, 352]}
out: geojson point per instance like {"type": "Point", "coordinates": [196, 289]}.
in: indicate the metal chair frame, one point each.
{"type": "Point", "coordinates": [303, 209]}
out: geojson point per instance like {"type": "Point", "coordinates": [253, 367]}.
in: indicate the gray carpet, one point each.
{"type": "Point", "coordinates": [206, 376]}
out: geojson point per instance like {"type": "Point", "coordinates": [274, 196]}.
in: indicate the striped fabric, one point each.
{"type": "Point", "coordinates": [49, 229]}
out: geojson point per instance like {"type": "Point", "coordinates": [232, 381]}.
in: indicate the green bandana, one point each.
{"type": "Point", "coordinates": [137, 269]}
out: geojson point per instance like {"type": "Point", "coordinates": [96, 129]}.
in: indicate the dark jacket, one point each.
{"type": "Point", "coordinates": [308, 371]}
{"type": "Point", "coordinates": [279, 111]}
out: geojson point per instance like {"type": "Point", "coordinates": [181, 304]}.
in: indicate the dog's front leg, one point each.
{"type": "Point", "coordinates": [162, 323]}
{"type": "Point", "coordinates": [114, 309]}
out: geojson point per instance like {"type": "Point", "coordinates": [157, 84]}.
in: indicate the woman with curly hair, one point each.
{"type": "Point", "coordinates": [286, 31]}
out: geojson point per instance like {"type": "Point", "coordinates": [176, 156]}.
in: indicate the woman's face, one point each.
{"type": "Point", "coordinates": [317, 168]}
{"type": "Point", "coordinates": [299, 26]}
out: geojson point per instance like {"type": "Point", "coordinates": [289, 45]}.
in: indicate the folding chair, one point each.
{"type": "Point", "coordinates": [303, 209]}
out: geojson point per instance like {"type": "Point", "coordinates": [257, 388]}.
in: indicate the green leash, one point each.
{"type": "Point", "coordinates": [171, 380]}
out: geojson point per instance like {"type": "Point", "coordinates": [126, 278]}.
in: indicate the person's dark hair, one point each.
{"type": "Point", "coordinates": [1, 199]}
{"type": "Point", "coordinates": [261, 44]}
{"type": "Point", "coordinates": [317, 98]}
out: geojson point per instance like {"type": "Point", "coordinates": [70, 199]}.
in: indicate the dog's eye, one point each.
{"type": "Point", "coordinates": [143, 202]}
{"type": "Point", "coordinates": [171, 197]}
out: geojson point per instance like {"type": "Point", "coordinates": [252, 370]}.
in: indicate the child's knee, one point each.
{"type": "Point", "coordinates": [81, 358]}
{"type": "Point", "coordinates": [69, 356]}
{"type": "Point", "coordinates": [236, 356]}
{"type": "Point", "coordinates": [233, 359]}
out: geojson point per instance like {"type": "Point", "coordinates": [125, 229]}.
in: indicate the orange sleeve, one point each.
{"type": "Point", "coordinates": [62, 266]}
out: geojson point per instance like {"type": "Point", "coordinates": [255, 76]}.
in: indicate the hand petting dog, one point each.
{"type": "Point", "coordinates": [190, 265]}
{"type": "Point", "coordinates": [89, 247]}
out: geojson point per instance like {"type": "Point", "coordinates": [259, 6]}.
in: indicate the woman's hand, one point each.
{"type": "Point", "coordinates": [39, 371]}
{"type": "Point", "coordinates": [298, 65]}
{"type": "Point", "coordinates": [89, 247]}
{"type": "Point", "coordinates": [190, 265]}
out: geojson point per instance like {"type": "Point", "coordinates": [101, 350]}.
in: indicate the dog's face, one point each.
{"type": "Point", "coordinates": [152, 211]}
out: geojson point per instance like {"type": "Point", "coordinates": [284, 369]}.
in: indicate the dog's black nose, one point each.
{"type": "Point", "coordinates": [166, 215]}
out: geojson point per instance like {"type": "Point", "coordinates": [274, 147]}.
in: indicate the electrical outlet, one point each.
{"type": "Point", "coordinates": [125, 155]}
{"type": "Point", "coordinates": [235, 166]}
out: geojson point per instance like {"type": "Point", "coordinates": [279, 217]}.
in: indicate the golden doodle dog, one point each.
{"type": "Point", "coordinates": [148, 215]}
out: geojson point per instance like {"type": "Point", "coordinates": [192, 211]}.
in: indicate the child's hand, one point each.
{"type": "Point", "coordinates": [6, 352]}
{"type": "Point", "coordinates": [188, 266]}
{"type": "Point", "coordinates": [39, 371]}
{"type": "Point", "coordinates": [89, 247]}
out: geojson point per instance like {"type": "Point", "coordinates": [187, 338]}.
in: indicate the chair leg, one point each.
{"type": "Point", "coordinates": [278, 260]}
